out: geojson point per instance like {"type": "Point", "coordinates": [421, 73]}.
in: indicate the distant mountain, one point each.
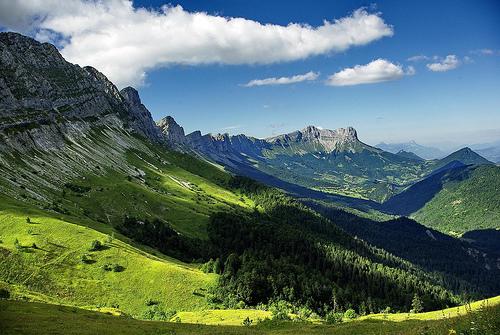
{"type": "Point", "coordinates": [419, 150]}
{"type": "Point", "coordinates": [312, 139]}
{"type": "Point", "coordinates": [314, 159]}
{"type": "Point", "coordinates": [465, 156]}
{"type": "Point", "coordinates": [459, 199]}
{"type": "Point", "coordinates": [409, 154]}
{"type": "Point", "coordinates": [331, 161]}
{"type": "Point", "coordinates": [491, 153]}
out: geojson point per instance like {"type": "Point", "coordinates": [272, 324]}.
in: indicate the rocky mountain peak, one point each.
{"type": "Point", "coordinates": [44, 98]}
{"type": "Point", "coordinates": [32, 52]}
{"type": "Point", "coordinates": [348, 133]}
{"type": "Point", "coordinates": [131, 95]}
{"type": "Point", "coordinates": [329, 140]}
{"type": "Point", "coordinates": [139, 117]}
{"type": "Point", "coordinates": [171, 130]}
{"type": "Point", "coordinates": [313, 132]}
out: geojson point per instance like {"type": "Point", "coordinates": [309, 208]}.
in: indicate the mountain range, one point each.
{"type": "Point", "coordinates": [103, 208]}
{"type": "Point", "coordinates": [425, 152]}
{"type": "Point", "coordinates": [490, 151]}
{"type": "Point", "coordinates": [329, 161]}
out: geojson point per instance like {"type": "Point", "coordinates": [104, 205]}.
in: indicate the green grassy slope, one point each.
{"type": "Point", "coordinates": [35, 318]}
{"type": "Point", "coordinates": [463, 205]}
{"type": "Point", "coordinates": [54, 271]}
{"type": "Point", "coordinates": [67, 215]}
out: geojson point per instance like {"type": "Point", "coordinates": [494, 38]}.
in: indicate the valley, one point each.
{"type": "Point", "coordinates": [109, 219]}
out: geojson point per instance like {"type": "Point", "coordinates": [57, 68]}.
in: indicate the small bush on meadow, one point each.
{"type": "Point", "coordinates": [333, 318]}
{"type": "Point", "coordinates": [113, 267]}
{"type": "Point", "coordinates": [87, 259]}
{"type": "Point", "coordinates": [280, 310]}
{"type": "Point", "coordinates": [151, 302]}
{"type": "Point", "coordinates": [18, 245]}
{"type": "Point", "coordinates": [156, 313]}
{"type": "Point", "coordinates": [96, 245]}
{"type": "Point", "coordinates": [350, 314]}
{"type": "Point", "coordinates": [247, 322]}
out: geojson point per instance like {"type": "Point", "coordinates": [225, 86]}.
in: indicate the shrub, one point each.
{"type": "Point", "coordinates": [113, 267]}
{"type": "Point", "coordinates": [333, 318]}
{"type": "Point", "coordinates": [4, 293]}
{"type": "Point", "coordinates": [208, 266]}
{"type": "Point", "coordinates": [350, 314]}
{"type": "Point", "coordinates": [17, 245]}
{"type": "Point", "coordinates": [77, 188]}
{"type": "Point", "coordinates": [280, 310]}
{"type": "Point", "coordinates": [156, 313]}
{"type": "Point", "coordinates": [247, 322]}
{"type": "Point", "coordinates": [87, 259]}
{"type": "Point", "coordinates": [304, 313]}
{"type": "Point", "coordinates": [151, 302]}
{"type": "Point", "coordinates": [96, 245]}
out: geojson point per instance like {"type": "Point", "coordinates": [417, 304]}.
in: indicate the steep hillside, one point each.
{"type": "Point", "coordinates": [98, 212]}
{"type": "Point", "coordinates": [465, 156]}
{"type": "Point", "coordinates": [453, 200]}
{"type": "Point", "coordinates": [432, 250]}
{"type": "Point", "coordinates": [77, 158]}
{"type": "Point", "coordinates": [461, 206]}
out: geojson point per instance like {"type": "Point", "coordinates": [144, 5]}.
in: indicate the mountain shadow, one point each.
{"type": "Point", "coordinates": [416, 196]}
{"type": "Point", "coordinates": [459, 260]}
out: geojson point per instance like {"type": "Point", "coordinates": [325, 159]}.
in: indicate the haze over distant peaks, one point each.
{"type": "Point", "coordinates": [425, 152]}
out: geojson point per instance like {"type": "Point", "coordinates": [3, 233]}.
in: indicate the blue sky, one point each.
{"type": "Point", "coordinates": [457, 106]}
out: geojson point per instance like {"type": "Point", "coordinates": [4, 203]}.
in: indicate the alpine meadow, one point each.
{"type": "Point", "coordinates": [255, 167]}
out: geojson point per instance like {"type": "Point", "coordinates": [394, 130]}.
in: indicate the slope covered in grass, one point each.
{"type": "Point", "coordinates": [35, 318]}
{"type": "Point", "coordinates": [52, 261]}
{"type": "Point", "coordinates": [456, 200]}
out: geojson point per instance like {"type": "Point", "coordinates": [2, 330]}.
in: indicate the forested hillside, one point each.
{"type": "Point", "coordinates": [454, 200]}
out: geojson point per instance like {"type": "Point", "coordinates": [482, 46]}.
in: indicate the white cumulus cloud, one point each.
{"type": "Point", "coordinates": [283, 80]}
{"type": "Point", "coordinates": [450, 62]}
{"type": "Point", "coordinates": [125, 42]}
{"type": "Point", "coordinates": [376, 71]}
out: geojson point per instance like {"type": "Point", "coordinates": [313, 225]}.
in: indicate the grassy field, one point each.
{"type": "Point", "coordinates": [49, 260]}
{"type": "Point", "coordinates": [35, 318]}
{"type": "Point", "coordinates": [436, 315]}
{"type": "Point", "coordinates": [54, 271]}
{"type": "Point", "coordinates": [232, 317]}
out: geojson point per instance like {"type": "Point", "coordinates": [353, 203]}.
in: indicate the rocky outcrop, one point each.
{"type": "Point", "coordinates": [139, 118]}
{"type": "Point", "coordinates": [329, 140]}
{"type": "Point", "coordinates": [47, 102]}
{"type": "Point", "coordinates": [172, 132]}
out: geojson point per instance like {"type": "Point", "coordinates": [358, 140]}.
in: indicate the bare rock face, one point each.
{"type": "Point", "coordinates": [46, 101]}
{"type": "Point", "coordinates": [323, 139]}
{"type": "Point", "coordinates": [172, 132]}
{"type": "Point", "coordinates": [139, 117]}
